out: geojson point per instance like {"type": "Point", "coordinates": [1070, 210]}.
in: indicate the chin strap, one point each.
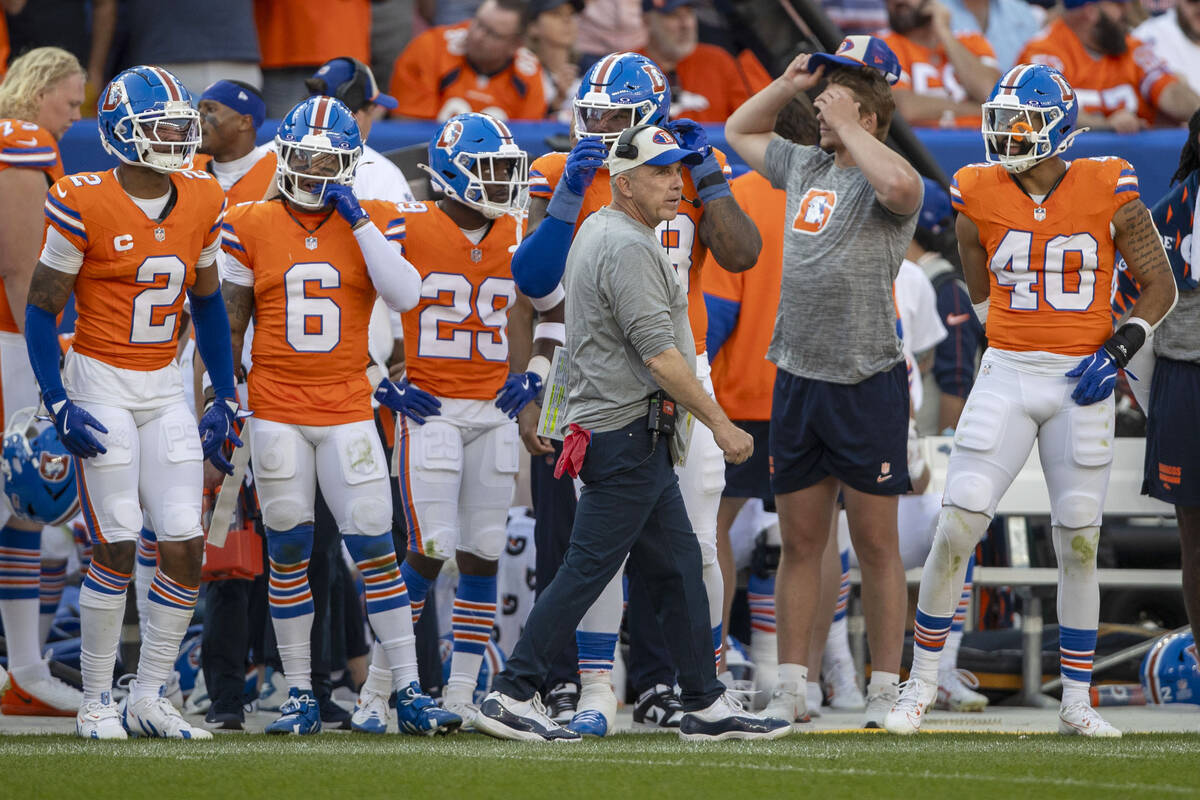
{"type": "Point", "coordinates": [1068, 139]}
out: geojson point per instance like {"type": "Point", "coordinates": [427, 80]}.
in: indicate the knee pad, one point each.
{"type": "Point", "coordinates": [970, 491]}
{"type": "Point", "coordinates": [360, 455]}
{"type": "Point", "coordinates": [368, 548]}
{"type": "Point", "coordinates": [290, 546]}
{"type": "Point", "coordinates": [485, 532]}
{"type": "Point", "coordinates": [981, 428]}
{"type": "Point", "coordinates": [1077, 510]}
{"type": "Point", "coordinates": [284, 513]}
{"type": "Point", "coordinates": [178, 517]}
{"type": "Point", "coordinates": [1077, 547]}
{"type": "Point", "coordinates": [371, 516]}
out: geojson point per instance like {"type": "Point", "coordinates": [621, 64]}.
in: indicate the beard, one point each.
{"type": "Point", "coordinates": [1111, 37]}
{"type": "Point", "coordinates": [909, 19]}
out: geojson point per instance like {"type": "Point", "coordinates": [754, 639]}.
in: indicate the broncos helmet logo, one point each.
{"type": "Point", "coordinates": [114, 96]}
{"type": "Point", "coordinates": [451, 133]}
{"type": "Point", "coordinates": [54, 467]}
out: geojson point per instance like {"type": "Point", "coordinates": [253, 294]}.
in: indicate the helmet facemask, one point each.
{"type": "Point", "coordinates": [165, 139]}
{"type": "Point", "coordinates": [497, 182]}
{"type": "Point", "coordinates": [306, 167]}
{"type": "Point", "coordinates": [598, 116]}
{"type": "Point", "coordinates": [1017, 136]}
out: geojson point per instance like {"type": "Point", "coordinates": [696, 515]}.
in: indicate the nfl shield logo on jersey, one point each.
{"type": "Point", "coordinates": [159, 234]}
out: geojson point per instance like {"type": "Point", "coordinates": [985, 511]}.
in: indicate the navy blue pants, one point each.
{"type": "Point", "coordinates": [630, 505]}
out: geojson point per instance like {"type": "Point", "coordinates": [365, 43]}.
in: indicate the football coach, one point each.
{"type": "Point", "coordinates": [632, 358]}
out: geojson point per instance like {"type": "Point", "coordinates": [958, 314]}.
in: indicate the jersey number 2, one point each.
{"type": "Point", "coordinates": [1012, 267]}
{"type": "Point", "coordinates": [149, 303]}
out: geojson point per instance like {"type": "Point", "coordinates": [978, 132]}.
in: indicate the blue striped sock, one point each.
{"type": "Point", "coordinates": [474, 613]}
{"type": "Point", "coordinates": [288, 591]}
{"type": "Point", "coordinates": [718, 642]}
{"type": "Point", "coordinates": [20, 563]}
{"type": "Point", "coordinates": [375, 557]}
{"type": "Point", "coordinates": [170, 593]}
{"type": "Point", "coordinates": [51, 584]}
{"type": "Point", "coordinates": [105, 580]}
{"type": "Point", "coordinates": [929, 637]}
{"type": "Point", "coordinates": [418, 588]}
{"type": "Point", "coordinates": [1076, 648]}
{"type": "Point", "coordinates": [760, 596]}
{"type": "Point", "coordinates": [596, 650]}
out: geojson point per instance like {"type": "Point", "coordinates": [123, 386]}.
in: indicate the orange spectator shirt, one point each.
{"type": "Point", "coordinates": [302, 33]}
{"type": "Point", "coordinates": [250, 187]}
{"type": "Point", "coordinates": [1132, 82]}
{"type": "Point", "coordinates": [432, 79]}
{"type": "Point", "coordinates": [27, 146]}
{"type": "Point", "coordinates": [742, 377]}
{"type": "Point", "coordinates": [1051, 278]}
{"type": "Point", "coordinates": [456, 339]}
{"type": "Point", "coordinates": [929, 72]}
{"type": "Point", "coordinates": [312, 304]}
{"type": "Point", "coordinates": [679, 237]}
{"type": "Point", "coordinates": [714, 83]}
{"type": "Point", "coordinates": [130, 289]}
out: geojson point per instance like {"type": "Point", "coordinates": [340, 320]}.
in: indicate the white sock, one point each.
{"type": "Point", "coordinates": [145, 567]}
{"type": "Point", "coordinates": [881, 680]}
{"type": "Point", "coordinates": [795, 674]}
{"type": "Point", "coordinates": [1075, 692]}
{"type": "Point", "coordinates": [949, 659]}
{"type": "Point", "coordinates": [100, 617]}
{"type": "Point", "coordinates": [714, 585]}
{"type": "Point", "coordinates": [169, 612]}
{"type": "Point", "coordinates": [837, 643]}
{"type": "Point", "coordinates": [379, 680]}
{"type": "Point", "coordinates": [21, 633]}
{"type": "Point", "coordinates": [293, 640]}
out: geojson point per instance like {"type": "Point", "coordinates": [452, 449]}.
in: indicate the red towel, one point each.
{"type": "Point", "coordinates": [574, 449]}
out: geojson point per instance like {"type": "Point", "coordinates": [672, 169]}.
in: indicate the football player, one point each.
{"type": "Point", "coordinates": [457, 444]}
{"type": "Point", "coordinates": [1039, 237]}
{"type": "Point", "coordinates": [39, 99]}
{"type": "Point", "coordinates": [305, 268]}
{"type": "Point", "coordinates": [620, 91]}
{"type": "Point", "coordinates": [129, 243]}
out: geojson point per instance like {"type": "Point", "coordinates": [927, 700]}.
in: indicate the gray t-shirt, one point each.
{"type": "Point", "coordinates": [1176, 336]}
{"type": "Point", "coordinates": [624, 305]}
{"type": "Point", "coordinates": [841, 252]}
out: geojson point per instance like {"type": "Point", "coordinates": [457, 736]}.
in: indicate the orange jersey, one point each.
{"type": "Point", "coordinates": [303, 33]}
{"type": "Point", "coordinates": [929, 71]}
{"type": "Point", "coordinates": [129, 290]}
{"type": "Point", "coordinates": [680, 237]}
{"type": "Point", "coordinates": [456, 339]}
{"type": "Point", "coordinates": [1132, 81]}
{"type": "Point", "coordinates": [432, 79]}
{"type": "Point", "coordinates": [742, 377]}
{"type": "Point", "coordinates": [27, 146]}
{"type": "Point", "coordinates": [250, 187]}
{"type": "Point", "coordinates": [714, 83]}
{"type": "Point", "coordinates": [1051, 271]}
{"type": "Point", "coordinates": [312, 304]}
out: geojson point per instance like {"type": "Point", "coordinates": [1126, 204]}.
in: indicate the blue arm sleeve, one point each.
{"type": "Point", "coordinates": [213, 342]}
{"type": "Point", "coordinates": [540, 261]}
{"type": "Point", "coordinates": [722, 319]}
{"type": "Point", "coordinates": [41, 340]}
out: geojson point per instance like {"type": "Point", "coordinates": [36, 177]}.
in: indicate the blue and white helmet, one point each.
{"type": "Point", "coordinates": [1029, 117]}
{"type": "Point", "coordinates": [1170, 672]}
{"type": "Point", "coordinates": [317, 143]}
{"type": "Point", "coordinates": [147, 118]}
{"type": "Point", "coordinates": [625, 85]}
{"type": "Point", "coordinates": [476, 160]}
{"type": "Point", "coordinates": [39, 473]}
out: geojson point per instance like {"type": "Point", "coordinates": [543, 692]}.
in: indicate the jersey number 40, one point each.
{"type": "Point", "coordinates": [1013, 266]}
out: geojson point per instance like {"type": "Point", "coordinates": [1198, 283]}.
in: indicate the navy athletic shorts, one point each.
{"type": "Point", "coordinates": [1172, 471]}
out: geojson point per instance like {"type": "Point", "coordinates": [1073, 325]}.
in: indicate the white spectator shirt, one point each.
{"type": "Point", "coordinates": [922, 328]}
{"type": "Point", "coordinates": [1172, 46]}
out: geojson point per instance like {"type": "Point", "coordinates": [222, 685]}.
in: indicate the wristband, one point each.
{"type": "Point", "coordinates": [540, 366]}
{"type": "Point", "coordinates": [981, 310]}
{"type": "Point", "coordinates": [549, 301]}
{"type": "Point", "coordinates": [1125, 342]}
{"type": "Point", "coordinates": [554, 331]}
{"type": "Point", "coordinates": [709, 179]}
{"type": "Point", "coordinates": [564, 204]}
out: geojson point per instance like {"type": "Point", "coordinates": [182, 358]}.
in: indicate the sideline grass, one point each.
{"type": "Point", "coordinates": [857, 766]}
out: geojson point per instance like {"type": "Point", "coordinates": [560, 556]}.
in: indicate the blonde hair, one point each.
{"type": "Point", "coordinates": [29, 78]}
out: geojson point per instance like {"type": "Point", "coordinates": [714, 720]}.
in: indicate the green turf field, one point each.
{"type": "Point", "coordinates": [856, 766]}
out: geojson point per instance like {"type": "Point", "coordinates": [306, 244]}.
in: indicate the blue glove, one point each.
{"type": "Point", "coordinates": [1097, 375]}
{"type": "Point", "coordinates": [691, 135]}
{"type": "Point", "coordinates": [72, 423]}
{"type": "Point", "coordinates": [345, 202]}
{"type": "Point", "coordinates": [517, 391]}
{"type": "Point", "coordinates": [408, 400]}
{"type": "Point", "coordinates": [587, 156]}
{"type": "Point", "coordinates": [216, 427]}
{"type": "Point", "coordinates": [708, 176]}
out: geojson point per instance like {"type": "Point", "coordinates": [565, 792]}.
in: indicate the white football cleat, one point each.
{"type": "Point", "coordinates": [596, 710]}
{"type": "Point", "coordinates": [465, 710]}
{"type": "Point", "coordinates": [956, 691]}
{"type": "Point", "coordinates": [45, 696]}
{"type": "Point", "coordinates": [156, 718]}
{"type": "Point", "coordinates": [100, 719]}
{"type": "Point", "coordinates": [880, 702]}
{"type": "Point", "coordinates": [844, 694]}
{"type": "Point", "coordinates": [906, 714]}
{"type": "Point", "coordinates": [788, 703]}
{"type": "Point", "coordinates": [1080, 719]}
{"type": "Point", "coordinates": [371, 712]}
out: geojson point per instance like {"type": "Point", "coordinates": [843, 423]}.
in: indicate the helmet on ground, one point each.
{"type": "Point", "coordinates": [39, 473]}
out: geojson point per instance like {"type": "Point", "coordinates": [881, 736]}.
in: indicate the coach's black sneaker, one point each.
{"type": "Point", "coordinates": [658, 708]}
{"type": "Point", "coordinates": [726, 719]}
{"type": "Point", "coordinates": [333, 716]}
{"type": "Point", "coordinates": [562, 701]}
{"type": "Point", "coordinates": [523, 720]}
{"type": "Point", "coordinates": [221, 718]}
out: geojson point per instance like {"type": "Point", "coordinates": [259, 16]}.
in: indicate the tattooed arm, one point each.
{"type": "Point", "coordinates": [239, 305]}
{"type": "Point", "coordinates": [730, 235]}
{"type": "Point", "coordinates": [1141, 245]}
{"type": "Point", "coordinates": [49, 289]}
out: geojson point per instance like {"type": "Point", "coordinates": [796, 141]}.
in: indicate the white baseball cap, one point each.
{"type": "Point", "coordinates": [648, 144]}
